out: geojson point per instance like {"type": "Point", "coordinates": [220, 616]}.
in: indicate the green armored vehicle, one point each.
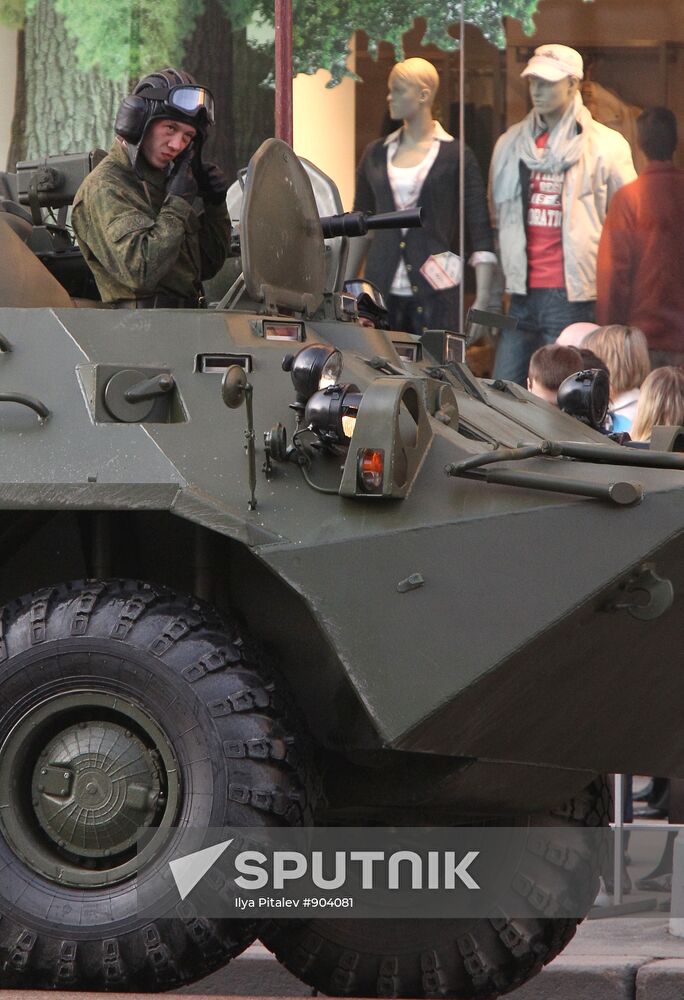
{"type": "Point", "coordinates": [238, 591]}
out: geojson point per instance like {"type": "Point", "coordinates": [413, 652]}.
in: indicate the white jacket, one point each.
{"type": "Point", "coordinates": [604, 166]}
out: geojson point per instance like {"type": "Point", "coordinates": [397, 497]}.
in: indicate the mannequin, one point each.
{"type": "Point", "coordinates": [552, 178]}
{"type": "Point", "coordinates": [418, 270]}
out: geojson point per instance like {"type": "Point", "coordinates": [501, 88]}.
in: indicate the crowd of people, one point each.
{"type": "Point", "coordinates": [640, 397]}
{"type": "Point", "coordinates": [640, 283]}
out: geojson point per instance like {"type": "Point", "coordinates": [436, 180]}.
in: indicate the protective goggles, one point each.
{"type": "Point", "coordinates": [366, 293]}
{"type": "Point", "coordinates": [186, 98]}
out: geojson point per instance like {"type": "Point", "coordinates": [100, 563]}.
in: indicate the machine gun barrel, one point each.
{"type": "Point", "coordinates": [359, 223]}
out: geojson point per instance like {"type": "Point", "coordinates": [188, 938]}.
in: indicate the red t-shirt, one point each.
{"type": "Point", "coordinates": [544, 228]}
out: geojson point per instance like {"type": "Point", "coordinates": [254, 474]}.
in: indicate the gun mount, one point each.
{"type": "Point", "coordinates": [361, 223]}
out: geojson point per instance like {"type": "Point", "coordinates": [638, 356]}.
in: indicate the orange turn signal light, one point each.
{"type": "Point", "coordinates": [371, 469]}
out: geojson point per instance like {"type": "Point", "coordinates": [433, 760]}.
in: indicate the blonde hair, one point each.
{"type": "Point", "coordinates": [661, 401]}
{"type": "Point", "coordinates": [416, 70]}
{"type": "Point", "coordinates": [625, 351]}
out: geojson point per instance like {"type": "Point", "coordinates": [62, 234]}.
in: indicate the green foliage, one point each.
{"type": "Point", "coordinates": [240, 12]}
{"type": "Point", "coordinates": [12, 13]}
{"type": "Point", "coordinates": [322, 28]}
{"type": "Point", "coordinates": [131, 37]}
{"type": "Point", "coordinates": [128, 38]}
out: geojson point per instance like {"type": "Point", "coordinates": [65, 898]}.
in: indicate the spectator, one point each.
{"type": "Point", "coordinates": [573, 335]}
{"type": "Point", "coordinates": [552, 178]}
{"type": "Point", "coordinates": [625, 352]}
{"type": "Point", "coordinates": [549, 366]}
{"type": "Point", "coordinates": [661, 402]}
{"type": "Point", "coordinates": [640, 275]}
{"type": "Point", "coordinates": [591, 360]}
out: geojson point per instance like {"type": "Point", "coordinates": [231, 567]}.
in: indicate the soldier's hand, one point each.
{"type": "Point", "coordinates": [182, 180]}
{"type": "Point", "coordinates": [213, 183]}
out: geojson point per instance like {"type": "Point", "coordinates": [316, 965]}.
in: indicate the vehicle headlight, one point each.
{"type": "Point", "coordinates": [332, 411]}
{"type": "Point", "coordinates": [313, 368]}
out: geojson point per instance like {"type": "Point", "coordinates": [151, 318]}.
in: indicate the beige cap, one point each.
{"type": "Point", "coordinates": [553, 62]}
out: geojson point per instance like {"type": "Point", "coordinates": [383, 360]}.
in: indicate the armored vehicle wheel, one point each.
{"type": "Point", "coordinates": [123, 705]}
{"type": "Point", "coordinates": [458, 958]}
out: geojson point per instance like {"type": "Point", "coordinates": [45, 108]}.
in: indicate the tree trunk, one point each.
{"type": "Point", "coordinates": [17, 149]}
{"type": "Point", "coordinates": [221, 59]}
{"type": "Point", "coordinates": [254, 103]}
{"type": "Point", "coordinates": [209, 57]}
{"type": "Point", "coordinates": [67, 111]}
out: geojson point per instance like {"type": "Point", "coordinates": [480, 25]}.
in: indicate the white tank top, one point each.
{"type": "Point", "coordinates": [406, 184]}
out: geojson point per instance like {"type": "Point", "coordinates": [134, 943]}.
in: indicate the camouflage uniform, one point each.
{"type": "Point", "coordinates": [140, 242]}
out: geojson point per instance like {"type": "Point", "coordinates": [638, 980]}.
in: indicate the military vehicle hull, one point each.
{"type": "Point", "coordinates": [490, 625]}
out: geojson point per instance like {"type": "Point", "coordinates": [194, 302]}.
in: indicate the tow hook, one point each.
{"type": "Point", "coordinates": [645, 595]}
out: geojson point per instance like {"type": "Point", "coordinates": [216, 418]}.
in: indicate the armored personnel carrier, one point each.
{"type": "Point", "coordinates": [242, 591]}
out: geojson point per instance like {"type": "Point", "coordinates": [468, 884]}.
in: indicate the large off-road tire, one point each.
{"type": "Point", "coordinates": [457, 958]}
{"type": "Point", "coordinates": [125, 705]}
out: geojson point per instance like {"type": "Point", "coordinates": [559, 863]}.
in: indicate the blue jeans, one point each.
{"type": "Point", "coordinates": [541, 314]}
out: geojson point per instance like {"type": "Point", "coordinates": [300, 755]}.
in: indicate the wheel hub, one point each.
{"type": "Point", "coordinates": [94, 786]}
{"type": "Point", "coordinates": [82, 774]}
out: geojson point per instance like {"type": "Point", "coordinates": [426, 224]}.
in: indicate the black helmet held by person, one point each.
{"type": "Point", "coordinates": [370, 303]}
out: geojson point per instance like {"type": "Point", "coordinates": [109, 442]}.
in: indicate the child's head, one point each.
{"type": "Point", "coordinates": [549, 366]}
{"type": "Point", "coordinates": [661, 401]}
{"type": "Point", "coordinates": [625, 350]}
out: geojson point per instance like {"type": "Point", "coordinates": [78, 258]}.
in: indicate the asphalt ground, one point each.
{"type": "Point", "coordinates": [626, 958]}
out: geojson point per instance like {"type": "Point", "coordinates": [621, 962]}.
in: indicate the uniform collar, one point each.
{"type": "Point", "coordinates": [118, 153]}
{"type": "Point", "coordinates": [439, 133]}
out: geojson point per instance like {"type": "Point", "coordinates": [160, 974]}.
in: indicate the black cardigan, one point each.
{"type": "Point", "coordinates": [439, 199]}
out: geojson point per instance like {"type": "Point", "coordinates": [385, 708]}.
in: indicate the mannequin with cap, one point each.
{"type": "Point", "coordinates": [551, 180]}
{"type": "Point", "coordinates": [418, 271]}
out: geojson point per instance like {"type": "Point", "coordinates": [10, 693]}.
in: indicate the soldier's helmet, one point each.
{"type": "Point", "coordinates": [166, 93]}
{"type": "Point", "coordinates": [370, 302]}
{"type": "Point", "coordinates": [173, 93]}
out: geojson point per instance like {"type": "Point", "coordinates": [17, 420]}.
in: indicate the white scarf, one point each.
{"type": "Point", "coordinates": [563, 149]}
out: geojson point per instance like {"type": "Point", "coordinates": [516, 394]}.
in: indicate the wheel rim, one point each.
{"type": "Point", "coordinates": [84, 778]}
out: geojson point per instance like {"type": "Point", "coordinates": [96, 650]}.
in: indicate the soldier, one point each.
{"type": "Point", "coordinates": [144, 232]}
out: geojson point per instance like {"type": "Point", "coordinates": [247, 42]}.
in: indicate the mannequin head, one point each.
{"type": "Point", "coordinates": [412, 86]}
{"type": "Point", "coordinates": [551, 99]}
{"type": "Point", "coordinates": [554, 73]}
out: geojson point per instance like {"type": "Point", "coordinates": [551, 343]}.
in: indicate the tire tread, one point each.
{"type": "Point", "coordinates": [204, 651]}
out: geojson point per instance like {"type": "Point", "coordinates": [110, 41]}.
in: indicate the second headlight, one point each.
{"type": "Point", "coordinates": [331, 412]}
